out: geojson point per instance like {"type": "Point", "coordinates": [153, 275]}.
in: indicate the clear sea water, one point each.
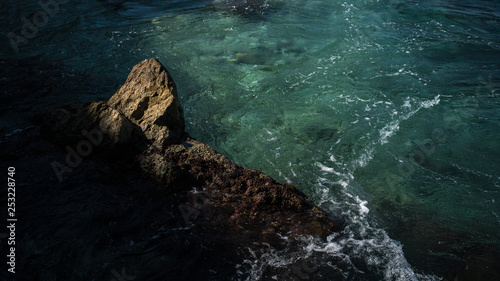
{"type": "Point", "coordinates": [385, 113]}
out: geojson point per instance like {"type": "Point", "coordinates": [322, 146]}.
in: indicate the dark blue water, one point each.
{"type": "Point", "coordinates": [386, 113]}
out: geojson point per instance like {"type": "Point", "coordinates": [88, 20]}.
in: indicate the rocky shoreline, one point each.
{"type": "Point", "coordinates": [121, 185]}
{"type": "Point", "coordinates": [118, 190]}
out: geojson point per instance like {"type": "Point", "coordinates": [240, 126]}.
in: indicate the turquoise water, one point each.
{"type": "Point", "coordinates": [386, 113]}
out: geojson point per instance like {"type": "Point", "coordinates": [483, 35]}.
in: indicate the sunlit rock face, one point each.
{"type": "Point", "coordinates": [107, 177]}
{"type": "Point", "coordinates": [149, 99]}
{"type": "Point", "coordinates": [145, 111]}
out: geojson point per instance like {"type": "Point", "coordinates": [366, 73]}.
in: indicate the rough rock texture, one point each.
{"type": "Point", "coordinates": [132, 210]}
{"type": "Point", "coordinates": [149, 99]}
{"type": "Point", "coordinates": [110, 129]}
{"type": "Point", "coordinates": [234, 199]}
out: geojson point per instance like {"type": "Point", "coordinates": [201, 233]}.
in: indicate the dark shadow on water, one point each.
{"type": "Point", "coordinates": [252, 10]}
{"type": "Point", "coordinates": [30, 86]}
{"type": "Point", "coordinates": [437, 249]}
{"type": "Point", "coordinates": [105, 218]}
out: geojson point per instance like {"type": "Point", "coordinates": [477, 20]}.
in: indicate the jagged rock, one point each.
{"type": "Point", "coordinates": [145, 108]}
{"type": "Point", "coordinates": [123, 220]}
{"type": "Point", "coordinates": [239, 199]}
{"type": "Point", "coordinates": [161, 170]}
{"type": "Point", "coordinates": [233, 199]}
{"type": "Point", "coordinates": [109, 128]}
{"type": "Point", "coordinates": [149, 99]}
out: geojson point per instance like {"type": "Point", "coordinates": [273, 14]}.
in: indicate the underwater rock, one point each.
{"type": "Point", "coordinates": [254, 58]}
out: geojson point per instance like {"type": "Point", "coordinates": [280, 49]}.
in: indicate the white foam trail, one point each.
{"type": "Point", "coordinates": [380, 254]}
{"type": "Point", "coordinates": [360, 239]}
{"type": "Point", "coordinates": [431, 103]}
{"type": "Point", "coordinates": [393, 127]}
{"type": "Point", "coordinates": [387, 131]}
{"type": "Point", "coordinates": [363, 210]}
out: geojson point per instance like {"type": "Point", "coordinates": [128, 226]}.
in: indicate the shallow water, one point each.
{"type": "Point", "coordinates": [386, 113]}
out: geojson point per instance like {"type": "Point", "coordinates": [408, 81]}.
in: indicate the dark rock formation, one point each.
{"type": "Point", "coordinates": [235, 200]}
{"type": "Point", "coordinates": [131, 206]}
{"type": "Point", "coordinates": [105, 188]}
{"type": "Point", "coordinates": [69, 123]}
{"type": "Point", "coordinates": [145, 111]}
